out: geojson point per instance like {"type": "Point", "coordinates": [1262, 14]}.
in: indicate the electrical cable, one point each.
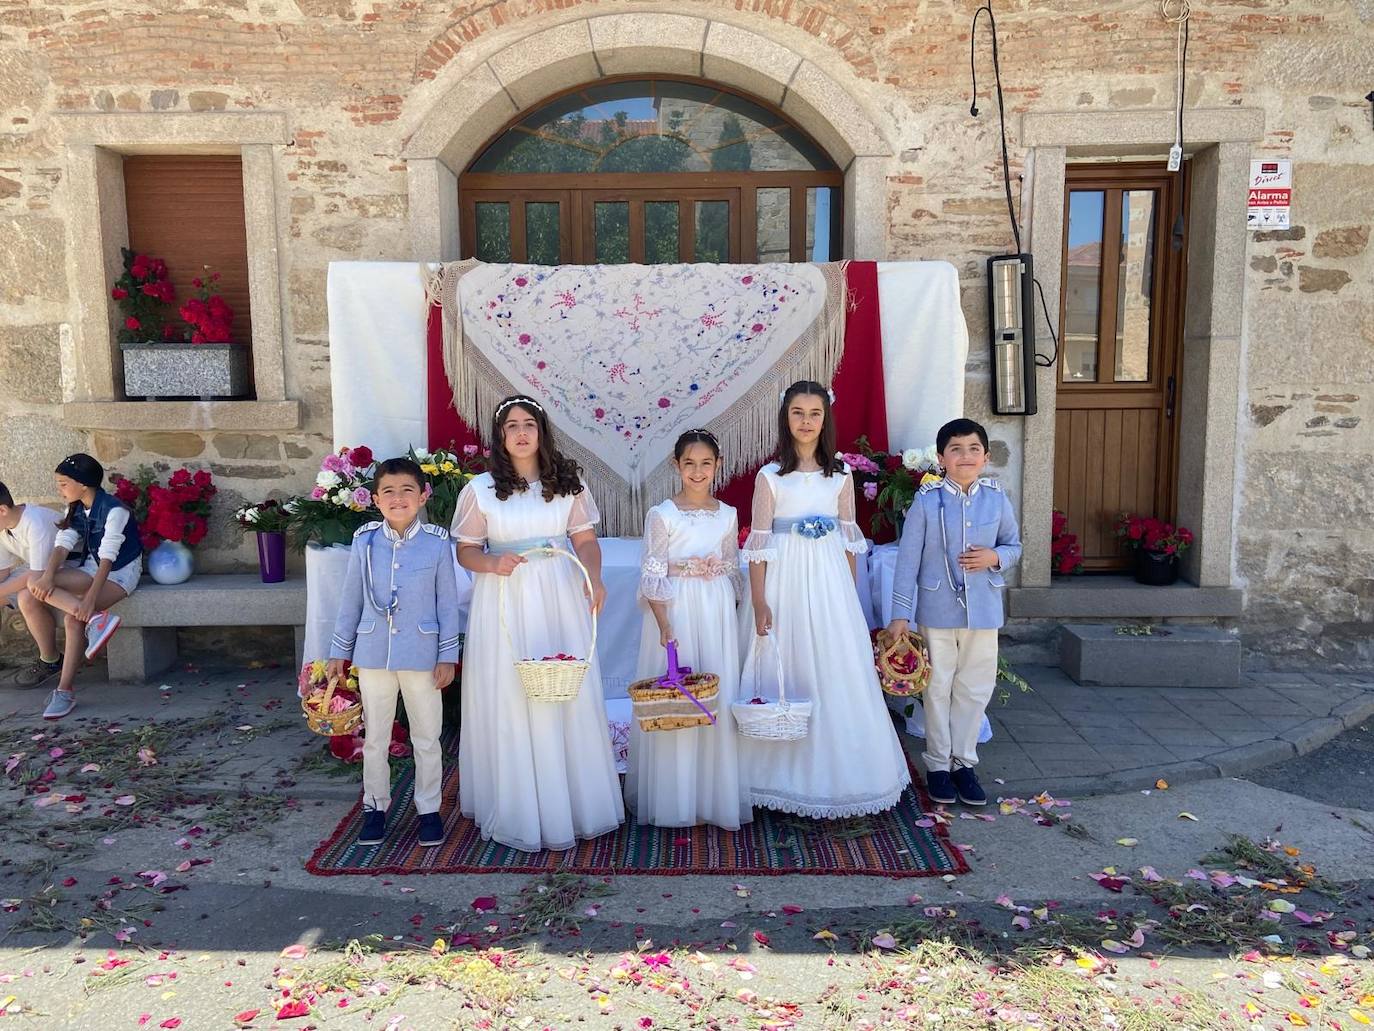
{"type": "Point", "coordinates": [1042, 360]}
{"type": "Point", "coordinates": [1181, 10]}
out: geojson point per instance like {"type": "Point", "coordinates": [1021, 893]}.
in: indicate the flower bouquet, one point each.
{"type": "Point", "coordinates": [176, 512]}
{"type": "Point", "coordinates": [890, 479]}
{"type": "Point", "coordinates": [339, 503]}
{"type": "Point", "coordinates": [448, 472]}
{"type": "Point", "coordinates": [268, 516]}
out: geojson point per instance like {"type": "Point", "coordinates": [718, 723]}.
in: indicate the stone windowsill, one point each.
{"type": "Point", "coordinates": [1121, 597]}
{"type": "Point", "coordinates": [194, 416]}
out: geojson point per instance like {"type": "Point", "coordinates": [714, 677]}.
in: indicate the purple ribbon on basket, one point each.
{"type": "Point", "coordinates": [676, 677]}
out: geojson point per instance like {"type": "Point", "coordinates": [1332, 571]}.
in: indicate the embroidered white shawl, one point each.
{"type": "Point", "coordinates": [624, 358]}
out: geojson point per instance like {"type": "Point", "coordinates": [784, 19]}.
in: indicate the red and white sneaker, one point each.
{"type": "Point", "coordinates": [99, 631]}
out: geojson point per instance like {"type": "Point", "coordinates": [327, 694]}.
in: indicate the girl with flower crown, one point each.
{"type": "Point", "coordinates": [801, 550]}
{"type": "Point", "coordinates": [689, 584]}
{"type": "Point", "coordinates": [531, 775]}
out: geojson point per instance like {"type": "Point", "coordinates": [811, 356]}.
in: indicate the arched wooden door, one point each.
{"type": "Point", "coordinates": [651, 170]}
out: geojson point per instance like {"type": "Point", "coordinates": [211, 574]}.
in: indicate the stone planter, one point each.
{"type": "Point", "coordinates": [208, 372]}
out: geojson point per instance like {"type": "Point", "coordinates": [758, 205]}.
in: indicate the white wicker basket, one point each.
{"type": "Point", "coordinates": [773, 721]}
{"type": "Point", "coordinates": [550, 680]}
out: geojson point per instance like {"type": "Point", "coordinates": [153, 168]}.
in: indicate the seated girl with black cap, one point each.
{"type": "Point", "coordinates": [95, 563]}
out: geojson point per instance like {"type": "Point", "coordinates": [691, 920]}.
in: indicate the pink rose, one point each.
{"type": "Point", "coordinates": [870, 491]}
{"type": "Point", "coordinates": [362, 497]}
{"type": "Point", "coordinates": [318, 493]}
{"type": "Point", "coordinates": [470, 449]}
{"type": "Point", "coordinates": [332, 463]}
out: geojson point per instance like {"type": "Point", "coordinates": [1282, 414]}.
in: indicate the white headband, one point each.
{"type": "Point", "coordinates": [518, 401]}
{"type": "Point", "coordinates": [782, 395]}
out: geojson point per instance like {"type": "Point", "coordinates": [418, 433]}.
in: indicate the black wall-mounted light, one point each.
{"type": "Point", "coordinates": [1011, 333]}
{"type": "Point", "coordinates": [1370, 97]}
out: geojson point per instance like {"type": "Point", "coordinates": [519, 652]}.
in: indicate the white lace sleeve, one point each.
{"type": "Point", "coordinates": [469, 524]}
{"type": "Point", "coordinates": [850, 533]}
{"type": "Point", "coordinates": [584, 514]}
{"type": "Point", "coordinates": [729, 553]}
{"type": "Point", "coordinates": [654, 582]}
{"type": "Point", "coordinates": [760, 547]}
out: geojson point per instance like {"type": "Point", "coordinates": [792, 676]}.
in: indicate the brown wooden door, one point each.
{"type": "Point", "coordinates": [1121, 316]}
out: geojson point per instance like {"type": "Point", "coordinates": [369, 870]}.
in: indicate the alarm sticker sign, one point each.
{"type": "Point", "coordinates": [1271, 194]}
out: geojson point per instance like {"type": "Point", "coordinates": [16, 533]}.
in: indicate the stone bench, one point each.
{"type": "Point", "coordinates": [146, 643]}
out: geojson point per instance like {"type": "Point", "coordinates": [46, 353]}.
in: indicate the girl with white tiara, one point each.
{"type": "Point", "coordinates": [532, 775]}
{"type": "Point", "coordinates": [801, 549]}
{"type": "Point", "coordinates": [690, 583]}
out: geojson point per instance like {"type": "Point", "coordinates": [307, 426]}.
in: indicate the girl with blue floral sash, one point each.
{"type": "Point", "coordinates": [801, 549]}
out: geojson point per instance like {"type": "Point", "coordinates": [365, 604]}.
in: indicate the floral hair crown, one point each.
{"type": "Point", "coordinates": [531, 402]}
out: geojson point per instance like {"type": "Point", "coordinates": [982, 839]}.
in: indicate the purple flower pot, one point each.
{"type": "Point", "coordinates": [272, 557]}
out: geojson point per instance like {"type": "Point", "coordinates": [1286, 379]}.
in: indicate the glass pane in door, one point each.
{"type": "Point", "coordinates": [612, 232]}
{"type": "Point", "coordinates": [713, 231]}
{"type": "Point", "coordinates": [818, 222]}
{"type": "Point", "coordinates": [542, 232]}
{"type": "Point", "coordinates": [493, 231]}
{"type": "Point", "coordinates": [660, 232]}
{"type": "Point", "coordinates": [1135, 275]}
{"type": "Point", "coordinates": [772, 206]}
{"type": "Point", "coordinates": [1083, 279]}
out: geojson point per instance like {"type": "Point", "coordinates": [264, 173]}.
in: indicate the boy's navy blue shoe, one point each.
{"type": "Point", "coordinates": [940, 788]}
{"type": "Point", "coordinates": [966, 783]}
{"type": "Point", "coordinates": [374, 826]}
{"type": "Point", "coordinates": [431, 829]}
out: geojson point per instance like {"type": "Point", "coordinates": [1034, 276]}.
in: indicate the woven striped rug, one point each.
{"type": "Point", "coordinates": [890, 844]}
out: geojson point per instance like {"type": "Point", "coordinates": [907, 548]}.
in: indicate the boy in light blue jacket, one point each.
{"type": "Point", "coordinates": [398, 624]}
{"type": "Point", "coordinates": [959, 541]}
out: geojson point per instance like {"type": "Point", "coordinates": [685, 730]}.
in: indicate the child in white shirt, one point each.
{"type": "Point", "coordinates": [27, 533]}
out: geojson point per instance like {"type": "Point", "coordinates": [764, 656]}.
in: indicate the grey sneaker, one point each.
{"type": "Point", "coordinates": [61, 703]}
{"type": "Point", "coordinates": [37, 674]}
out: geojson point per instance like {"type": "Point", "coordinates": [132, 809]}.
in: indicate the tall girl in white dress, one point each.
{"type": "Point", "coordinates": [532, 775]}
{"type": "Point", "coordinates": [801, 549]}
{"type": "Point", "coordinates": [690, 584]}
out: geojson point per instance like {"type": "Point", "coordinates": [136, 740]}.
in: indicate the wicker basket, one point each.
{"type": "Point", "coordinates": [331, 724]}
{"type": "Point", "coordinates": [551, 680]}
{"type": "Point", "coordinates": [657, 707]}
{"type": "Point", "coordinates": [903, 664]}
{"type": "Point", "coordinates": [773, 721]}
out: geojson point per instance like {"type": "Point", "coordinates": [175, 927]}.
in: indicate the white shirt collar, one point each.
{"type": "Point", "coordinates": [958, 491]}
{"type": "Point", "coordinates": [410, 531]}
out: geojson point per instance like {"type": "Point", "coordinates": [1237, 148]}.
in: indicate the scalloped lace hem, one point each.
{"type": "Point", "coordinates": [760, 555]}
{"type": "Point", "coordinates": [856, 547]}
{"type": "Point", "coordinates": [821, 811]}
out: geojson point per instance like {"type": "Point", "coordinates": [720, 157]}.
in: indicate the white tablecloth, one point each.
{"type": "Point", "coordinates": [617, 636]}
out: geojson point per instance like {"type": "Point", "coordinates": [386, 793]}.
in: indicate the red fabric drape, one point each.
{"type": "Point", "coordinates": [860, 402]}
{"type": "Point", "coordinates": [445, 428]}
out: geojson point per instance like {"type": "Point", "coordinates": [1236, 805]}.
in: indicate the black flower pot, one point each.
{"type": "Point", "coordinates": [1154, 569]}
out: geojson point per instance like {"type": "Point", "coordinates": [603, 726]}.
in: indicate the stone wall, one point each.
{"type": "Point", "coordinates": [356, 79]}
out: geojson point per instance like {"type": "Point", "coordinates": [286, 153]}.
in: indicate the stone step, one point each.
{"type": "Point", "coordinates": [1172, 656]}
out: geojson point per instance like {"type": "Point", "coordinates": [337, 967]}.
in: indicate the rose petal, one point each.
{"type": "Point", "coordinates": [296, 951]}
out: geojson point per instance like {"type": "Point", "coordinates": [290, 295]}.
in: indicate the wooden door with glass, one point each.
{"type": "Point", "coordinates": [1121, 318]}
